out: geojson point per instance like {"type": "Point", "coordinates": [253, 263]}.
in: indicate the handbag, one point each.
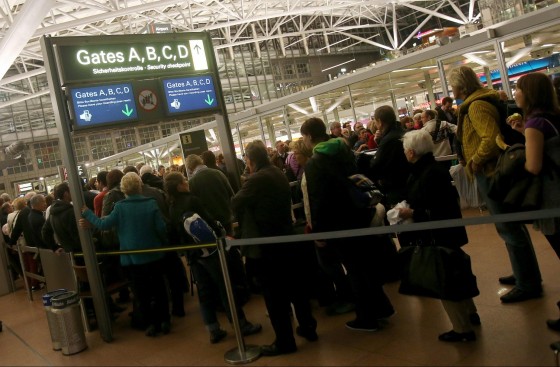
{"type": "Point", "coordinates": [512, 185]}
{"type": "Point", "coordinates": [437, 272]}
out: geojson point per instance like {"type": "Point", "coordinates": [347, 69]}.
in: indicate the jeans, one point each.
{"type": "Point", "coordinates": [518, 243]}
{"type": "Point", "coordinates": [211, 288]}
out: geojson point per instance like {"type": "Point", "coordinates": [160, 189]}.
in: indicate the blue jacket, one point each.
{"type": "Point", "coordinates": [139, 225]}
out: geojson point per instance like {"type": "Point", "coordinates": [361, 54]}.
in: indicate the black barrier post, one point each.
{"type": "Point", "coordinates": [243, 353]}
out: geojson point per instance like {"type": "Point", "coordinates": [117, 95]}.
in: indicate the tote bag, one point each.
{"type": "Point", "coordinates": [437, 272]}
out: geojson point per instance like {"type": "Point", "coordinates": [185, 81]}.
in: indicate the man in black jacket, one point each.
{"type": "Point", "coordinates": [263, 207]}
{"type": "Point", "coordinates": [37, 220]}
{"type": "Point", "coordinates": [62, 222]}
{"type": "Point", "coordinates": [445, 111]}
{"type": "Point", "coordinates": [148, 177]}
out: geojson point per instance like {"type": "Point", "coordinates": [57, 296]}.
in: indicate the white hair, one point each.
{"type": "Point", "coordinates": [146, 169]}
{"type": "Point", "coordinates": [419, 141]}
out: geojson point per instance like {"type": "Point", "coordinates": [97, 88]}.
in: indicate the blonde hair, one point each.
{"type": "Point", "coordinates": [300, 147]}
{"type": "Point", "coordinates": [131, 184]}
{"type": "Point", "coordinates": [19, 203]}
{"type": "Point", "coordinates": [464, 79]}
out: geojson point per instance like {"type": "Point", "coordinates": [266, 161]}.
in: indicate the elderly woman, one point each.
{"type": "Point", "coordinates": [477, 130]}
{"type": "Point", "coordinates": [432, 197]}
{"type": "Point", "coordinates": [140, 225]}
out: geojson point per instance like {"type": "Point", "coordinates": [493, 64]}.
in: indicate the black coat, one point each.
{"type": "Point", "coordinates": [329, 198]}
{"type": "Point", "coordinates": [36, 222]}
{"type": "Point", "coordinates": [266, 197]}
{"type": "Point", "coordinates": [432, 196]}
{"type": "Point", "coordinates": [441, 115]}
{"type": "Point", "coordinates": [22, 226]}
{"type": "Point", "coordinates": [62, 222]}
{"type": "Point", "coordinates": [186, 202]}
{"type": "Point", "coordinates": [263, 208]}
{"type": "Point", "coordinates": [152, 180]}
{"type": "Point", "coordinates": [389, 168]}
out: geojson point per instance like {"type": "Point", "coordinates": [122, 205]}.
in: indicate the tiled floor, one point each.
{"type": "Point", "coordinates": [510, 335]}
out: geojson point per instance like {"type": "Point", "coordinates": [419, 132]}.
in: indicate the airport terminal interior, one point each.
{"type": "Point", "coordinates": [272, 65]}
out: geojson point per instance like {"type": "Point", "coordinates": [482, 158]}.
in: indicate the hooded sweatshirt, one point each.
{"type": "Point", "coordinates": [327, 186]}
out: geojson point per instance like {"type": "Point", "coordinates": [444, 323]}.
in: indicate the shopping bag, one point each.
{"type": "Point", "coordinates": [466, 187]}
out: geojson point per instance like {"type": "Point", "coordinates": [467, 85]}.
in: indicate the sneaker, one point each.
{"type": "Point", "coordinates": [250, 329]}
{"type": "Point", "coordinates": [509, 280]}
{"type": "Point", "coordinates": [217, 336]}
{"type": "Point", "coordinates": [309, 334]}
{"type": "Point", "coordinates": [453, 336]}
{"type": "Point", "coordinates": [362, 326]}
{"type": "Point", "coordinates": [518, 295]}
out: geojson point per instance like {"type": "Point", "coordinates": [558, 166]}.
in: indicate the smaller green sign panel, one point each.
{"type": "Point", "coordinates": [193, 143]}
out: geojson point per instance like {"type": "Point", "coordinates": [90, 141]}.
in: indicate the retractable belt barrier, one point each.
{"type": "Point", "coordinates": [448, 223]}
{"type": "Point", "coordinates": [243, 354]}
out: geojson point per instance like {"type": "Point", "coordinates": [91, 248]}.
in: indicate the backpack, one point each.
{"type": "Point", "coordinates": [439, 134]}
{"type": "Point", "coordinates": [200, 231]}
{"type": "Point", "coordinates": [510, 136]}
{"type": "Point", "coordinates": [363, 192]}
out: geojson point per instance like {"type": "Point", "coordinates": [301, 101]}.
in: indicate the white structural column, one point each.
{"type": "Point", "coordinates": [430, 90]}
{"type": "Point", "coordinates": [25, 23]}
{"type": "Point", "coordinates": [442, 78]}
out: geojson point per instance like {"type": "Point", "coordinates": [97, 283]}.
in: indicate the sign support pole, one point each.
{"type": "Point", "coordinates": [69, 160]}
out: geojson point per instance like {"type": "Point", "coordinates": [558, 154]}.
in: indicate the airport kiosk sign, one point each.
{"type": "Point", "coordinates": [103, 104]}
{"type": "Point", "coordinates": [110, 80]}
{"type": "Point", "coordinates": [191, 93]}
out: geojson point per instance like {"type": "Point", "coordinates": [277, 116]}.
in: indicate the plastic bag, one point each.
{"type": "Point", "coordinates": [466, 187]}
{"type": "Point", "coordinates": [393, 214]}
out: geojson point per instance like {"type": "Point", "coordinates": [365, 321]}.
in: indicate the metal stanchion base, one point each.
{"type": "Point", "coordinates": [252, 353]}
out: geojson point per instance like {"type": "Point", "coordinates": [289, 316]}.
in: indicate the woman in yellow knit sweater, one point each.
{"type": "Point", "coordinates": [477, 130]}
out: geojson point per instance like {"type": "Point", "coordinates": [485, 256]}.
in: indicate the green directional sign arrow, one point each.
{"type": "Point", "coordinates": [209, 100]}
{"type": "Point", "coordinates": [127, 111]}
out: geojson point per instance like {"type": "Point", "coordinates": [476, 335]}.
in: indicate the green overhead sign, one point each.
{"type": "Point", "coordinates": [105, 58]}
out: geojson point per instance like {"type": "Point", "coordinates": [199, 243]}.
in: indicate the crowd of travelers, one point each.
{"type": "Point", "coordinates": [141, 208]}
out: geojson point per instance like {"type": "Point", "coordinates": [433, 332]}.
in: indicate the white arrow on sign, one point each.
{"type": "Point", "coordinates": [198, 55]}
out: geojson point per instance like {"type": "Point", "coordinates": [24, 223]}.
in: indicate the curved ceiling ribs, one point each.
{"type": "Point", "coordinates": [238, 22]}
